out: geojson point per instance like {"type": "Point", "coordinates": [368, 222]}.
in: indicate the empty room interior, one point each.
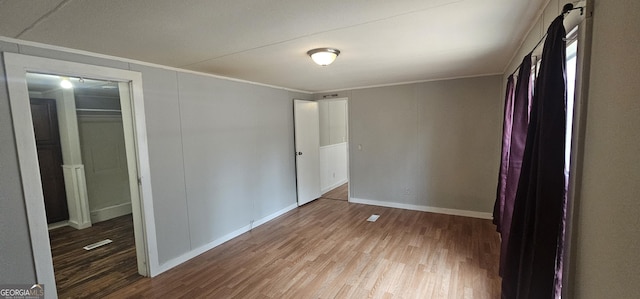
{"type": "Point", "coordinates": [333, 149]}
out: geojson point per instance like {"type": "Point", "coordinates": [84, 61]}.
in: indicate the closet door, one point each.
{"type": "Point", "coordinates": [45, 126]}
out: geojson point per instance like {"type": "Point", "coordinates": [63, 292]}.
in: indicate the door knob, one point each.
{"type": "Point", "coordinates": [299, 153]}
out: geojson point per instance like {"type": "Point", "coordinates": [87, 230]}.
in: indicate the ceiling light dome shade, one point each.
{"type": "Point", "coordinates": [323, 56]}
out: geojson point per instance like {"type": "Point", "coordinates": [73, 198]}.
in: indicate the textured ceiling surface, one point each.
{"type": "Point", "coordinates": [381, 41]}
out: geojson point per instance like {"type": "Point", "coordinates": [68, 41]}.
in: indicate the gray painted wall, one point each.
{"type": "Point", "coordinates": [221, 156]}
{"type": "Point", "coordinates": [164, 133]}
{"type": "Point", "coordinates": [608, 236]}
{"type": "Point", "coordinates": [434, 144]}
{"type": "Point", "coordinates": [238, 163]}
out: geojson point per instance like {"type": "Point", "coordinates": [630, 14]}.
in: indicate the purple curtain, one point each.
{"type": "Point", "coordinates": [517, 142]}
{"type": "Point", "coordinates": [498, 207]}
{"type": "Point", "coordinates": [534, 248]}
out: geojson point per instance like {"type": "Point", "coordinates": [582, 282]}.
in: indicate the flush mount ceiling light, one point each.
{"type": "Point", "coordinates": [323, 56]}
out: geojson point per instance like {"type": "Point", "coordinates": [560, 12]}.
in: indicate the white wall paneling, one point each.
{"type": "Point", "coordinates": [333, 166]}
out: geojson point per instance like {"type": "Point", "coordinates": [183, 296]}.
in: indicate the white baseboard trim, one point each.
{"type": "Point", "coordinates": [110, 212]}
{"type": "Point", "coordinates": [215, 243]}
{"type": "Point", "coordinates": [336, 185]}
{"type": "Point", "coordinates": [58, 224]}
{"type": "Point", "coordinates": [77, 225]}
{"type": "Point", "coordinates": [465, 213]}
{"type": "Point", "coordinates": [268, 218]}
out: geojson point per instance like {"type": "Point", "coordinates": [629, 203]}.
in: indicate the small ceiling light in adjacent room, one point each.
{"type": "Point", "coordinates": [65, 83]}
{"type": "Point", "coordinates": [323, 56]}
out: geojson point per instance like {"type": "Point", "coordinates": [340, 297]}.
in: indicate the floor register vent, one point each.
{"type": "Point", "coordinates": [373, 218]}
{"type": "Point", "coordinates": [97, 244]}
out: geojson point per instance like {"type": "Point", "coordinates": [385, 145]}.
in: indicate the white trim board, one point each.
{"type": "Point", "coordinates": [389, 204]}
{"type": "Point", "coordinates": [111, 212]}
{"type": "Point", "coordinates": [336, 185]}
{"type": "Point", "coordinates": [217, 242]}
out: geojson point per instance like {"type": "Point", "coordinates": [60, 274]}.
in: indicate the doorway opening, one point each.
{"type": "Point", "coordinates": [80, 139]}
{"type": "Point", "coordinates": [334, 148]}
{"type": "Point", "coordinates": [321, 149]}
{"type": "Point", "coordinates": [18, 67]}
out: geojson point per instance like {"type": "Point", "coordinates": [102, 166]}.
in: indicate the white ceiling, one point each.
{"type": "Point", "coordinates": [381, 41]}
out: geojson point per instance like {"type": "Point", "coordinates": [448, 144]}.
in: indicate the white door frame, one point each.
{"type": "Point", "coordinates": [16, 66]}
{"type": "Point", "coordinates": [348, 151]}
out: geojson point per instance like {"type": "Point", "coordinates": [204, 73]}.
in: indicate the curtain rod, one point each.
{"type": "Point", "coordinates": [566, 9]}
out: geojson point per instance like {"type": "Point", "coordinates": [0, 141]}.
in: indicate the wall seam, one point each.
{"type": "Point", "coordinates": [416, 170]}
{"type": "Point", "coordinates": [184, 167]}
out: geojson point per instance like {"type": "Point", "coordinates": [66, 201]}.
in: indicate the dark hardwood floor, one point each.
{"type": "Point", "coordinates": [339, 193]}
{"type": "Point", "coordinates": [327, 249]}
{"type": "Point", "coordinates": [95, 273]}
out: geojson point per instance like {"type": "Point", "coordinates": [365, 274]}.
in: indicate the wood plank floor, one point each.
{"type": "Point", "coordinates": [339, 193]}
{"type": "Point", "coordinates": [326, 249]}
{"type": "Point", "coordinates": [95, 273]}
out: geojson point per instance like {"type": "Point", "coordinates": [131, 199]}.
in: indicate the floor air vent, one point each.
{"type": "Point", "coordinates": [373, 218]}
{"type": "Point", "coordinates": [97, 244]}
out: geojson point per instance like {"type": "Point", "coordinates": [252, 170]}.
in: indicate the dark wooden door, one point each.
{"type": "Point", "coordinates": [45, 127]}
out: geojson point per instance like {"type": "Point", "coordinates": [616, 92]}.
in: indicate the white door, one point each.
{"type": "Point", "coordinates": [307, 135]}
